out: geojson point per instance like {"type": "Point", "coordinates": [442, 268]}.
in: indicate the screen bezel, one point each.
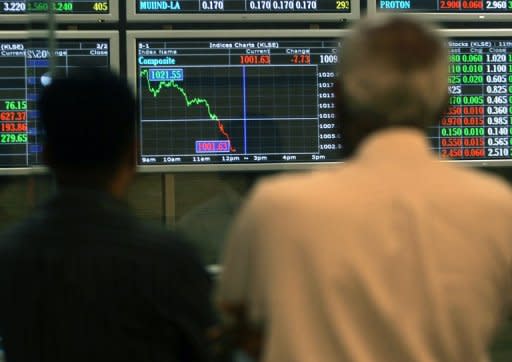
{"type": "Point", "coordinates": [437, 17]}
{"type": "Point", "coordinates": [111, 35]}
{"type": "Point", "coordinates": [133, 36]}
{"type": "Point", "coordinates": [132, 16]}
{"type": "Point", "coordinates": [111, 17]}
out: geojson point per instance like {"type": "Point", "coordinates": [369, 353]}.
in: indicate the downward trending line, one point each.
{"type": "Point", "coordinates": [155, 91]}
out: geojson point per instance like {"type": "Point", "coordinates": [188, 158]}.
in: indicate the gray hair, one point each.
{"type": "Point", "coordinates": [396, 70]}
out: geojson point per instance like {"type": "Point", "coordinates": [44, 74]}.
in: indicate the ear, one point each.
{"type": "Point", "coordinates": [132, 152]}
{"type": "Point", "coordinates": [445, 105]}
{"type": "Point", "coordinates": [46, 155]}
{"type": "Point", "coordinates": [336, 89]}
{"type": "Point", "coordinates": [341, 107]}
{"type": "Point", "coordinates": [338, 99]}
{"type": "Point", "coordinates": [345, 120]}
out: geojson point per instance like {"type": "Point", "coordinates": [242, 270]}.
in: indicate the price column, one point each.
{"type": "Point", "coordinates": [497, 102]}
{"type": "Point", "coordinates": [13, 105]}
{"type": "Point", "coordinates": [462, 133]}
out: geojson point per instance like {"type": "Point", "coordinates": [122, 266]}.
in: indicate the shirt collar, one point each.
{"type": "Point", "coordinates": [398, 143]}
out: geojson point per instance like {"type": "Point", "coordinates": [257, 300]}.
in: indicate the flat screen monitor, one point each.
{"type": "Point", "coordinates": [445, 10]}
{"type": "Point", "coordinates": [70, 11]}
{"type": "Point", "coordinates": [478, 124]}
{"type": "Point", "coordinates": [235, 100]}
{"type": "Point", "coordinates": [242, 10]}
{"type": "Point", "coordinates": [24, 69]}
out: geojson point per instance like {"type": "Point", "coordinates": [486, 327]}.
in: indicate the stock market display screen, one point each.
{"type": "Point", "coordinates": [60, 7]}
{"type": "Point", "coordinates": [214, 101]}
{"type": "Point", "coordinates": [446, 6]}
{"type": "Point", "coordinates": [242, 6]}
{"type": "Point", "coordinates": [478, 124]}
{"type": "Point", "coordinates": [24, 67]}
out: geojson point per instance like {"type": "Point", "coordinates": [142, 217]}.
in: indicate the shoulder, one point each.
{"type": "Point", "coordinates": [120, 235]}
{"type": "Point", "coordinates": [287, 195]}
{"type": "Point", "coordinates": [482, 184]}
{"type": "Point", "coordinates": [161, 243]}
{"type": "Point", "coordinates": [173, 261]}
{"type": "Point", "coordinates": [294, 186]}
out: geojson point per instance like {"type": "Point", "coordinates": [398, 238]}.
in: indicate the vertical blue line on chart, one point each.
{"type": "Point", "coordinates": [244, 91]}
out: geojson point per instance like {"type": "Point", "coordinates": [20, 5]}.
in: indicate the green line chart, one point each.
{"type": "Point", "coordinates": [155, 91]}
{"type": "Point", "coordinates": [222, 111]}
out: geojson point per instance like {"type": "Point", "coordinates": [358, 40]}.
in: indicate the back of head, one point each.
{"type": "Point", "coordinates": [393, 73]}
{"type": "Point", "coordinates": [89, 123]}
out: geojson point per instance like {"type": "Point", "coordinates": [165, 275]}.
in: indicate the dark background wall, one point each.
{"type": "Point", "coordinates": [192, 201]}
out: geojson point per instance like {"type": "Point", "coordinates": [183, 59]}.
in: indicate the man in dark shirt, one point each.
{"type": "Point", "coordinates": [82, 279]}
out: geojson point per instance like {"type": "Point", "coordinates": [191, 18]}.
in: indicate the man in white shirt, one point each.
{"type": "Point", "coordinates": [392, 256]}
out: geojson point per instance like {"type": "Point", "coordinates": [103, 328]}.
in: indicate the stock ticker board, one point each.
{"type": "Point", "coordinates": [271, 100]}
{"type": "Point", "coordinates": [446, 6]}
{"type": "Point", "coordinates": [478, 124]}
{"type": "Point", "coordinates": [24, 67]}
{"type": "Point", "coordinates": [237, 101]}
{"type": "Point", "coordinates": [242, 6]}
{"type": "Point", "coordinates": [60, 7]}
